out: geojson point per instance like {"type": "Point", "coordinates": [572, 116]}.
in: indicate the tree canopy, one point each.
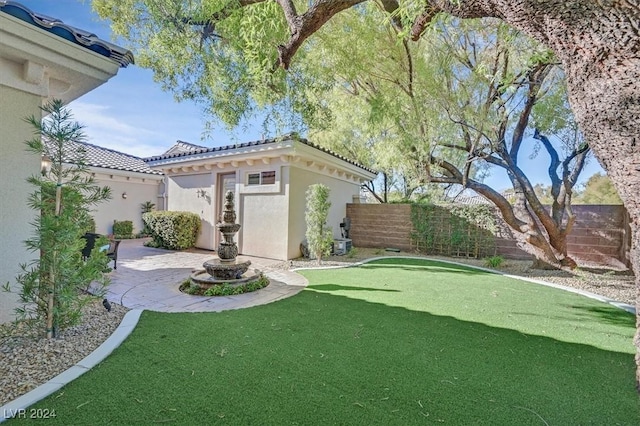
{"type": "Point", "coordinates": [596, 42]}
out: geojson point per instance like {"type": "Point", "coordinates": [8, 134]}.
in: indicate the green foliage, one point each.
{"type": "Point", "coordinates": [543, 192]}
{"type": "Point", "coordinates": [454, 230]}
{"type": "Point", "coordinates": [226, 66]}
{"type": "Point", "coordinates": [494, 261]}
{"type": "Point", "coordinates": [598, 190]}
{"type": "Point", "coordinates": [86, 222]}
{"type": "Point", "coordinates": [50, 286]}
{"type": "Point", "coordinates": [122, 229]}
{"type": "Point", "coordinates": [173, 230]}
{"type": "Point", "coordinates": [353, 252]}
{"type": "Point", "coordinates": [146, 207]}
{"type": "Point", "coordinates": [225, 289]}
{"type": "Point", "coordinates": [319, 236]}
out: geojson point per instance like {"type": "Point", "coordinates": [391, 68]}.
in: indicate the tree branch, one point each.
{"type": "Point", "coordinates": [580, 155]}
{"type": "Point", "coordinates": [421, 22]}
{"type": "Point", "coordinates": [369, 186]}
{"type": "Point", "coordinates": [391, 6]}
{"type": "Point", "coordinates": [535, 77]}
{"type": "Point", "coordinates": [506, 209]}
{"type": "Point", "coordinates": [303, 26]}
{"type": "Point", "coordinates": [553, 166]}
{"type": "Point", "coordinates": [290, 13]}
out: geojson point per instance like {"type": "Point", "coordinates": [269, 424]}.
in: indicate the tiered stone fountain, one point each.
{"type": "Point", "coordinates": [228, 269]}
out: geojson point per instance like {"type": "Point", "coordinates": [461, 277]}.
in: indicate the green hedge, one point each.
{"type": "Point", "coordinates": [173, 230]}
{"type": "Point", "coordinates": [123, 229]}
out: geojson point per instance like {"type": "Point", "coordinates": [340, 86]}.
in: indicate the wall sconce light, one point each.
{"type": "Point", "coordinates": [45, 164]}
{"type": "Point", "coordinates": [124, 195]}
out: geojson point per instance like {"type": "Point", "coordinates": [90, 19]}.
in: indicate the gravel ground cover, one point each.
{"type": "Point", "coordinates": [27, 361]}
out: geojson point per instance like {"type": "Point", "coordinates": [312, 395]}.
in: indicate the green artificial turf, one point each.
{"type": "Point", "coordinates": [396, 341]}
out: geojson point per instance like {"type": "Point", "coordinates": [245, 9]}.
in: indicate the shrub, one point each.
{"type": "Point", "coordinates": [146, 207]}
{"type": "Point", "coordinates": [123, 229]}
{"type": "Point", "coordinates": [453, 230]}
{"type": "Point", "coordinates": [87, 223]}
{"type": "Point", "coordinates": [173, 230]}
{"type": "Point", "coordinates": [319, 235]}
{"type": "Point", "coordinates": [494, 261]}
{"type": "Point", "coordinates": [225, 289]}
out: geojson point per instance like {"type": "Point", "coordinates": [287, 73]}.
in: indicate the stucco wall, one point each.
{"type": "Point", "coordinates": [16, 165]}
{"type": "Point", "coordinates": [263, 215]}
{"type": "Point", "coordinates": [194, 193]}
{"type": "Point", "coordinates": [139, 189]}
{"type": "Point", "coordinates": [271, 215]}
{"type": "Point", "coordinates": [342, 192]}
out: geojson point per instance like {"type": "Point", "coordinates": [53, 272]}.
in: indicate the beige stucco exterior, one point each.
{"type": "Point", "coordinates": [16, 165]}
{"type": "Point", "coordinates": [342, 192]}
{"type": "Point", "coordinates": [35, 66]}
{"type": "Point", "coordinates": [138, 187]}
{"type": "Point", "coordinates": [272, 215]}
{"type": "Point", "coordinates": [192, 192]}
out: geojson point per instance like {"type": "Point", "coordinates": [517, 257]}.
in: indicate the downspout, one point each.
{"type": "Point", "coordinates": [165, 192]}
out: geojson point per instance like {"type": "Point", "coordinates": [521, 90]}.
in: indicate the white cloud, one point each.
{"type": "Point", "coordinates": [104, 128]}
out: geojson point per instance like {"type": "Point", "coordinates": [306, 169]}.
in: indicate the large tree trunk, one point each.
{"type": "Point", "coordinates": [598, 43]}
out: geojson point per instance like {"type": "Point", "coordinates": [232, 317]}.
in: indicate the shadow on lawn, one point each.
{"type": "Point", "coordinates": [323, 358]}
{"type": "Point", "coordinates": [338, 287]}
{"type": "Point", "coordinates": [607, 314]}
{"type": "Point", "coordinates": [439, 267]}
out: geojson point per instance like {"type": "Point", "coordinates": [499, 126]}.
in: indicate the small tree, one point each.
{"type": "Point", "coordinates": [146, 207]}
{"type": "Point", "coordinates": [319, 236]}
{"type": "Point", "coordinates": [50, 285]}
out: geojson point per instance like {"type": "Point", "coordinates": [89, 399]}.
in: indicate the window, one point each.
{"type": "Point", "coordinates": [253, 179]}
{"type": "Point", "coordinates": [263, 178]}
{"type": "Point", "coordinates": [268, 177]}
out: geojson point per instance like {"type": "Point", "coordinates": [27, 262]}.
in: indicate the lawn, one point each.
{"type": "Point", "coordinates": [396, 341]}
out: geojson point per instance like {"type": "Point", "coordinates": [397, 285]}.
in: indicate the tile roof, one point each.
{"type": "Point", "coordinates": [182, 146]}
{"type": "Point", "coordinates": [97, 156]}
{"type": "Point", "coordinates": [471, 200]}
{"type": "Point", "coordinates": [75, 35]}
{"type": "Point", "coordinates": [201, 150]}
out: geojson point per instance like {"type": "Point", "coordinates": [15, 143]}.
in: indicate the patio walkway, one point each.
{"type": "Point", "coordinates": [148, 278]}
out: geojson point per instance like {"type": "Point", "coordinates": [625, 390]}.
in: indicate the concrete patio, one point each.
{"type": "Point", "coordinates": [148, 278]}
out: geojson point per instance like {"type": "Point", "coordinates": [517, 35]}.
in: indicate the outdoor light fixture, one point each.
{"type": "Point", "coordinates": [124, 195]}
{"type": "Point", "coordinates": [45, 164]}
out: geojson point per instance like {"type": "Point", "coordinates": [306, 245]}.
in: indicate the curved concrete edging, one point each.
{"type": "Point", "coordinates": [18, 405]}
{"type": "Point", "coordinates": [620, 305]}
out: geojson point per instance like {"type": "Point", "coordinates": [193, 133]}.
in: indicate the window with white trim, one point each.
{"type": "Point", "coordinates": [262, 178]}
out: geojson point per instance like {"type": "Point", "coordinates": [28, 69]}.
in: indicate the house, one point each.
{"type": "Point", "coordinates": [269, 178]}
{"type": "Point", "coordinates": [131, 180]}
{"type": "Point", "coordinates": [41, 58]}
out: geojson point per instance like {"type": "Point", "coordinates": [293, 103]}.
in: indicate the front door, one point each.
{"type": "Point", "coordinates": [226, 182]}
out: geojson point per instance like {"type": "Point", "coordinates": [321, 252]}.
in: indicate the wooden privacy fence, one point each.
{"type": "Point", "coordinates": [600, 235]}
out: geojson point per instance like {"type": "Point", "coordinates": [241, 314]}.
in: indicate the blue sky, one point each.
{"type": "Point", "coordinates": [131, 113]}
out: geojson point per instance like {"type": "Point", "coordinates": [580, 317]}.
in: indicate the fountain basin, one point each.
{"type": "Point", "coordinates": [221, 269]}
{"type": "Point", "coordinates": [204, 280]}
